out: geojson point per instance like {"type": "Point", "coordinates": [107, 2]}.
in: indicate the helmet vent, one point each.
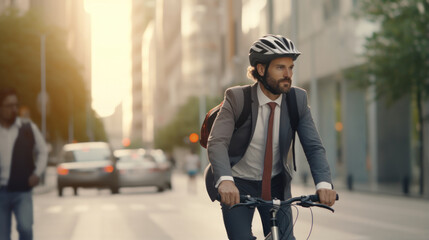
{"type": "Point", "coordinates": [280, 44]}
{"type": "Point", "coordinates": [287, 43]}
{"type": "Point", "coordinates": [268, 43]}
{"type": "Point", "coordinates": [291, 43]}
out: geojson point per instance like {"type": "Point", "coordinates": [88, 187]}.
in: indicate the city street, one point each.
{"type": "Point", "coordinates": [142, 213]}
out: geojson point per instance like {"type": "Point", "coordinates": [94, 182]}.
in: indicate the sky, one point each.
{"type": "Point", "coordinates": [111, 61]}
{"type": "Point", "coordinates": [111, 55]}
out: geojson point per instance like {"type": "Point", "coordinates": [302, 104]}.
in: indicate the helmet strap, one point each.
{"type": "Point", "coordinates": [263, 80]}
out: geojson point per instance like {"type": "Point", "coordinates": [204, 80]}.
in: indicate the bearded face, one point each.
{"type": "Point", "coordinates": [279, 76]}
{"type": "Point", "coordinates": [9, 110]}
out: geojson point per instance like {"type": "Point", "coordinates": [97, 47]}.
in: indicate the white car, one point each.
{"type": "Point", "coordinates": [141, 168]}
{"type": "Point", "coordinates": [89, 164]}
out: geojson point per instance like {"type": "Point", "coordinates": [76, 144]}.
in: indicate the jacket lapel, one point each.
{"type": "Point", "coordinates": [255, 108]}
{"type": "Point", "coordinates": [284, 127]}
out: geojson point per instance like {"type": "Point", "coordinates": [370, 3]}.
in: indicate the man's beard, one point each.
{"type": "Point", "coordinates": [276, 87]}
{"type": "Point", "coordinates": [11, 119]}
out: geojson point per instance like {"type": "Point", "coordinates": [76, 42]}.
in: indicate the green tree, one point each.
{"type": "Point", "coordinates": [20, 61]}
{"type": "Point", "coordinates": [185, 122]}
{"type": "Point", "coordinates": [397, 54]}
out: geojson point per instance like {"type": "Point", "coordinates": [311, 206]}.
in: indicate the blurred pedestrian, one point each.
{"type": "Point", "coordinates": [192, 165]}
{"type": "Point", "coordinates": [23, 159]}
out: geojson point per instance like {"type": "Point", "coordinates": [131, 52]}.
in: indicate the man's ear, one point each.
{"type": "Point", "coordinates": [261, 69]}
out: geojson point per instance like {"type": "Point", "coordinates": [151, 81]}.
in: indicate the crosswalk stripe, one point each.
{"type": "Point", "coordinates": [109, 207]}
{"type": "Point", "coordinates": [163, 206]}
{"type": "Point", "coordinates": [138, 207]}
{"type": "Point", "coordinates": [81, 208]}
{"type": "Point", "coordinates": [54, 209]}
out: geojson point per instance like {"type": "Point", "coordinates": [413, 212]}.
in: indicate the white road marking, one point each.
{"type": "Point", "coordinates": [109, 207]}
{"type": "Point", "coordinates": [138, 207]}
{"type": "Point", "coordinates": [81, 208]}
{"type": "Point", "coordinates": [54, 209]}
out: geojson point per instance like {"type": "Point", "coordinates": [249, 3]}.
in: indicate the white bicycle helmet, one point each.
{"type": "Point", "coordinates": [269, 47]}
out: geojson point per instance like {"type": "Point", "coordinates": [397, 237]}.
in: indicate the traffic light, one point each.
{"type": "Point", "coordinates": [126, 142]}
{"type": "Point", "coordinates": [193, 137]}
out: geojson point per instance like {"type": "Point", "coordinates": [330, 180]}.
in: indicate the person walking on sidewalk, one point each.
{"type": "Point", "coordinates": [192, 165]}
{"type": "Point", "coordinates": [252, 160]}
{"type": "Point", "coordinates": [23, 159]}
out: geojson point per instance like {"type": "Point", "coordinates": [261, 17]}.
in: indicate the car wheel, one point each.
{"type": "Point", "coordinates": [169, 186]}
{"type": "Point", "coordinates": [114, 190]}
{"type": "Point", "coordinates": [75, 191]}
{"type": "Point", "coordinates": [160, 189]}
{"type": "Point", "coordinates": [60, 191]}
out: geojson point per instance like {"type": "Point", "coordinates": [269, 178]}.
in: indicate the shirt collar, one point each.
{"type": "Point", "coordinates": [16, 124]}
{"type": "Point", "coordinates": [264, 99]}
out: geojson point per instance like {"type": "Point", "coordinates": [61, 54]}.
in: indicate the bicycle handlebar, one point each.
{"type": "Point", "coordinates": [303, 201]}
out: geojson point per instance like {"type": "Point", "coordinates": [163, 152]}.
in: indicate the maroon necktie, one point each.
{"type": "Point", "coordinates": [268, 160]}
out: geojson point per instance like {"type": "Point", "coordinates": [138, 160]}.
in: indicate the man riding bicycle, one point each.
{"type": "Point", "coordinates": [252, 159]}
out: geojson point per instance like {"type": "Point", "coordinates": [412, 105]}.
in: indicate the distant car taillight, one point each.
{"type": "Point", "coordinates": [108, 168]}
{"type": "Point", "coordinates": [62, 171]}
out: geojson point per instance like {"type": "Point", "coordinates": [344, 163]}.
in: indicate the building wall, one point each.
{"type": "Point", "coordinates": [149, 59]}
{"type": "Point", "coordinates": [368, 148]}
{"type": "Point", "coordinates": [114, 133]}
{"type": "Point", "coordinates": [142, 12]}
{"type": "Point", "coordinates": [168, 68]}
{"type": "Point", "coordinates": [21, 5]}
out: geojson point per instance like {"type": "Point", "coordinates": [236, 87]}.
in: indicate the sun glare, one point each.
{"type": "Point", "coordinates": [111, 61]}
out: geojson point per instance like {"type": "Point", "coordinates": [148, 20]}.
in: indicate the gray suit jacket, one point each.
{"type": "Point", "coordinates": [226, 145]}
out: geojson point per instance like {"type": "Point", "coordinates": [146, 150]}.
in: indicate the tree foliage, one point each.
{"type": "Point", "coordinates": [397, 55]}
{"type": "Point", "coordinates": [20, 68]}
{"type": "Point", "coordinates": [185, 122]}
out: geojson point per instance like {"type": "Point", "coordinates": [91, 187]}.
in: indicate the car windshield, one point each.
{"type": "Point", "coordinates": [87, 155]}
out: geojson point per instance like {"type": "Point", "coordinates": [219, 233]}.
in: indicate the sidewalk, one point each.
{"type": "Point", "coordinates": [393, 189]}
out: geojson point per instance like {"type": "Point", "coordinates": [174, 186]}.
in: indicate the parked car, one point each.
{"type": "Point", "coordinates": [141, 168]}
{"type": "Point", "coordinates": [89, 164]}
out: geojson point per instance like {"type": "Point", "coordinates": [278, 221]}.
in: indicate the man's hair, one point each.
{"type": "Point", "coordinates": [252, 73]}
{"type": "Point", "coordinates": [5, 92]}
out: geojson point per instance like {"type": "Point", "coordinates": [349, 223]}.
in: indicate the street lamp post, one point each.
{"type": "Point", "coordinates": [43, 96]}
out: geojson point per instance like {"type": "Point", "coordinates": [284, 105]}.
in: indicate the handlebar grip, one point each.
{"type": "Point", "coordinates": [242, 197]}
{"type": "Point", "coordinates": [315, 198]}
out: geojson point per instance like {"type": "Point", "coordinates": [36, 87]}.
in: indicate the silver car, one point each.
{"type": "Point", "coordinates": [89, 164]}
{"type": "Point", "coordinates": [141, 168]}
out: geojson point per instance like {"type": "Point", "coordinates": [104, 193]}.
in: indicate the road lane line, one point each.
{"type": "Point", "coordinates": [166, 207]}
{"type": "Point", "coordinates": [138, 207]}
{"type": "Point", "coordinates": [109, 207]}
{"type": "Point", "coordinates": [102, 225]}
{"type": "Point", "coordinates": [54, 209]}
{"type": "Point", "coordinates": [81, 208]}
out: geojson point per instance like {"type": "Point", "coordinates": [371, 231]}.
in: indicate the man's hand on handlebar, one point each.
{"type": "Point", "coordinates": [327, 196]}
{"type": "Point", "coordinates": [229, 193]}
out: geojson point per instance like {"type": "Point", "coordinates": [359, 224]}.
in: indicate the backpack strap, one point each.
{"type": "Point", "coordinates": [292, 108]}
{"type": "Point", "coordinates": [247, 107]}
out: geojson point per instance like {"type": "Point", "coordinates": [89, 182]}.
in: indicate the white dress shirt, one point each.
{"type": "Point", "coordinates": [251, 166]}
{"type": "Point", "coordinates": [8, 137]}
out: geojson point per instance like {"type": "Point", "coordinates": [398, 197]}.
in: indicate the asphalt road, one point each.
{"type": "Point", "coordinates": [142, 213]}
